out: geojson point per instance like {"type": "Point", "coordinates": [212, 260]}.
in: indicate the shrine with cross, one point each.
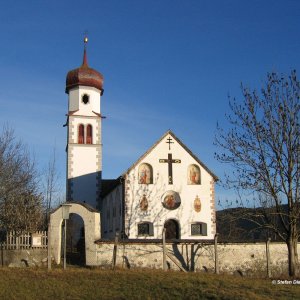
{"type": "Point", "coordinates": [168, 187]}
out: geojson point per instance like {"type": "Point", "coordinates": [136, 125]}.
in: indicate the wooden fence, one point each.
{"type": "Point", "coordinates": [16, 241]}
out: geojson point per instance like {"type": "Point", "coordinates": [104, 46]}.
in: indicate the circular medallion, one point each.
{"type": "Point", "coordinates": [171, 200]}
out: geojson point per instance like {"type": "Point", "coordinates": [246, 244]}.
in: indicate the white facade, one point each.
{"type": "Point", "coordinates": [112, 213]}
{"type": "Point", "coordinates": [84, 149]}
{"type": "Point", "coordinates": [167, 188]}
{"type": "Point", "coordinates": [157, 193]}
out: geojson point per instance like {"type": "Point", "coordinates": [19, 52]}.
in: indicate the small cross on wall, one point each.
{"type": "Point", "coordinates": [169, 141]}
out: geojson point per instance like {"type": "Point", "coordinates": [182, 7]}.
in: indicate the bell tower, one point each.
{"type": "Point", "coordinates": [84, 87]}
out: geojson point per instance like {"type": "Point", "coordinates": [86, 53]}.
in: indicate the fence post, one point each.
{"type": "Point", "coordinates": [8, 240]}
{"type": "Point", "coordinates": [49, 247]}
{"type": "Point", "coordinates": [17, 241]}
{"type": "Point", "coordinates": [216, 254]}
{"type": "Point", "coordinates": [65, 244]}
{"type": "Point", "coordinates": [2, 256]}
{"type": "Point", "coordinates": [268, 257]}
{"type": "Point", "coordinates": [164, 250]}
{"type": "Point", "coordinates": [115, 250]}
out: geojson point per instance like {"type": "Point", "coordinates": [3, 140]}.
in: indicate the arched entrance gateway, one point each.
{"type": "Point", "coordinates": [91, 228]}
{"type": "Point", "coordinates": [172, 229]}
{"type": "Point", "coordinates": [75, 240]}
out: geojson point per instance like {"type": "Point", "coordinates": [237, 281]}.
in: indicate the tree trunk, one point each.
{"type": "Point", "coordinates": [296, 250]}
{"type": "Point", "coordinates": [292, 256]}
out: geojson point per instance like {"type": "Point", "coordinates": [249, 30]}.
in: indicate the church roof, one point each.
{"type": "Point", "coordinates": [84, 75]}
{"type": "Point", "coordinates": [107, 185]}
{"type": "Point", "coordinates": [182, 145]}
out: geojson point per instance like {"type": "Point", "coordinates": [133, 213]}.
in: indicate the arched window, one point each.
{"type": "Point", "coordinates": [145, 174]}
{"type": "Point", "coordinates": [193, 175]}
{"type": "Point", "coordinates": [81, 134]}
{"type": "Point", "coordinates": [199, 228]}
{"type": "Point", "coordinates": [89, 134]}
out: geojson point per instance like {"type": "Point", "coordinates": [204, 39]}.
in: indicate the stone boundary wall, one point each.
{"type": "Point", "coordinates": [23, 258]}
{"type": "Point", "coordinates": [246, 259]}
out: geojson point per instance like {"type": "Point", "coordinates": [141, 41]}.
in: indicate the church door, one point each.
{"type": "Point", "coordinates": [172, 229]}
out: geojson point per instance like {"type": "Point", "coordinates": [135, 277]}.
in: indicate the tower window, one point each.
{"type": "Point", "coordinates": [85, 98]}
{"type": "Point", "coordinates": [81, 134]}
{"type": "Point", "coordinates": [89, 134]}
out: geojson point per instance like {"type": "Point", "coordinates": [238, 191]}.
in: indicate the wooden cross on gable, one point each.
{"type": "Point", "coordinates": [170, 161]}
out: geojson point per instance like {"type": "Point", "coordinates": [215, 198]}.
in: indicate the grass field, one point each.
{"type": "Point", "coordinates": [75, 283]}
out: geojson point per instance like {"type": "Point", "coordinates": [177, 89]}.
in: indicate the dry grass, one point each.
{"type": "Point", "coordinates": [135, 284]}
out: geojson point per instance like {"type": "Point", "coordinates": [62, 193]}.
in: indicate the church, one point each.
{"type": "Point", "coordinates": [168, 188]}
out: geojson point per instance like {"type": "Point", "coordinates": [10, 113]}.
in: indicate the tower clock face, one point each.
{"type": "Point", "coordinates": [85, 98]}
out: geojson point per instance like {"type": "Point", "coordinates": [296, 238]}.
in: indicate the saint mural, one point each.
{"type": "Point", "coordinates": [193, 174]}
{"type": "Point", "coordinates": [197, 204]}
{"type": "Point", "coordinates": [171, 200]}
{"type": "Point", "coordinates": [144, 203]}
{"type": "Point", "coordinates": [145, 174]}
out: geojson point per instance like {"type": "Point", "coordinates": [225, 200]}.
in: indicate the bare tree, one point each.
{"type": "Point", "coordinates": [262, 145]}
{"type": "Point", "coordinates": [20, 202]}
{"type": "Point", "coordinates": [22, 212]}
{"type": "Point", "coordinates": [51, 186]}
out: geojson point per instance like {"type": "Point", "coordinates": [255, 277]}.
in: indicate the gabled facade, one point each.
{"type": "Point", "coordinates": [168, 187]}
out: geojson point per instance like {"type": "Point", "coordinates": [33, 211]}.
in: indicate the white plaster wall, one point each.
{"type": "Point", "coordinates": [185, 214]}
{"type": "Point", "coordinates": [75, 102]}
{"type": "Point", "coordinates": [84, 160]}
{"type": "Point", "coordinates": [84, 173]}
{"type": "Point", "coordinates": [250, 258]}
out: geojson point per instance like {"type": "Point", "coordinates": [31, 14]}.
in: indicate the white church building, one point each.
{"type": "Point", "coordinates": [167, 187]}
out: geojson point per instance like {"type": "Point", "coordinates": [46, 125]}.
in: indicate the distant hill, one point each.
{"type": "Point", "coordinates": [232, 228]}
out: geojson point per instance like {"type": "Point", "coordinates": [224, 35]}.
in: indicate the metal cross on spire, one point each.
{"type": "Point", "coordinates": [85, 41]}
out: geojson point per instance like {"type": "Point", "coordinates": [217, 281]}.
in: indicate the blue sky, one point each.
{"type": "Point", "coordinates": [167, 64]}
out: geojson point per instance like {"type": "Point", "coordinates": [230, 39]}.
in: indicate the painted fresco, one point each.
{"type": "Point", "coordinates": [171, 200]}
{"type": "Point", "coordinates": [197, 204]}
{"type": "Point", "coordinates": [145, 174]}
{"type": "Point", "coordinates": [193, 175]}
{"type": "Point", "coordinates": [144, 203]}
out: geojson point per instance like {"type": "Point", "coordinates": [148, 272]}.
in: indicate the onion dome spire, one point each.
{"type": "Point", "coordinates": [84, 75]}
{"type": "Point", "coordinates": [85, 62]}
